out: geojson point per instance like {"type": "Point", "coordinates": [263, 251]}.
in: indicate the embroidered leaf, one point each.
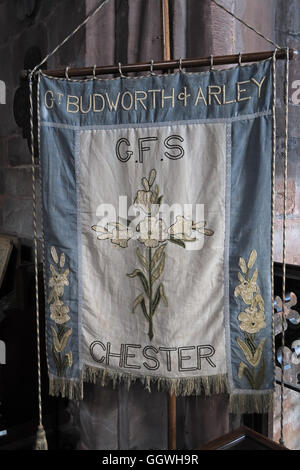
{"type": "Point", "coordinates": [253, 359]}
{"type": "Point", "coordinates": [250, 343]}
{"type": "Point", "coordinates": [156, 300]}
{"type": "Point", "coordinates": [145, 184]}
{"type": "Point", "coordinates": [60, 345]}
{"type": "Point", "coordinates": [206, 231]}
{"type": "Point", "coordinates": [144, 308]}
{"type": "Point", "coordinates": [154, 196]}
{"type": "Point", "coordinates": [142, 259]}
{"type": "Point", "coordinates": [159, 200]}
{"type": "Point", "coordinates": [254, 276]}
{"type": "Point", "coordinates": [244, 347]}
{"type": "Point", "coordinates": [176, 241]}
{"type": "Point", "coordinates": [249, 377]}
{"type": "Point", "coordinates": [158, 271]}
{"type": "Point", "coordinates": [163, 295]}
{"type": "Point", "coordinates": [65, 364]}
{"type": "Point", "coordinates": [260, 376]}
{"type": "Point", "coordinates": [54, 254]}
{"type": "Point", "coordinates": [157, 255]}
{"type": "Point", "coordinates": [69, 356]}
{"type": "Point", "coordinates": [152, 177]}
{"type": "Point", "coordinates": [242, 264]}
{"type": "Point", "coordinates": [62, 260]}
{"type": "Point", "coordinates": [98, 228]}
{"type": "Point", "coordinates": [56, 359]}
{"type": "Point", "coordinates": [137, 301]}
{"type": "Point", "coordinates": [60, 331]}
{"type": "Point", "coordinates": [252, 259]}
{"type": "Point", "coordinates": [140, 274]}
{"type": "Point", "coordinates": [258, 353]}
{"type": "Point", "coordinates": [242, 367]}
{"type": "Point", "coordinates": [160, 294]}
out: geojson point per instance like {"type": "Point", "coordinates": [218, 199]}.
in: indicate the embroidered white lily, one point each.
{"type": "Point", "coordinates": [184, 229]}
{"type": "Point", "coordinates": [119, 235]}
{"type": "Point", "coordinates": [59, 312]}
{"type": "Point", "coordinates": [57, 281]}
{"type": "Point", "coordinates": [247, 288]}
{"type": "Point", "coordinates": [143, 200]}
{"type": "Point", "coordinates": [152, 231]}
{"type": "Point", "coordinates": [252, 320]}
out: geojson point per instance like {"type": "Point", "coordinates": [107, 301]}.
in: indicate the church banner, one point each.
{"type": "Point", "coordinates": [157, 227]}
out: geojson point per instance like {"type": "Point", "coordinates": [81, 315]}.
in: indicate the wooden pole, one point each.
{"type": "Point", "coordinates": [166, 29]}
{"type": "Point", "coordinates": [167, 57]}
{"type": "Point", "coordinates": [169, 64]}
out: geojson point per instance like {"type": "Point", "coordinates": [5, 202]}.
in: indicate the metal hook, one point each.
{"type": "Point", "coordinates": [94, 72]}
{"type": "Point", "coordinates": [240, 58]}
{"type": "Point", "coordinates": [211, 62]}
{"type": "Point", "coordinates": [151, 68]}
{"type": "Point", "coordinates": [180, 64]}
{"type": "Point", "coordinates": [120, 71]}
{"type": "Point", "coordinates": [66, 73]}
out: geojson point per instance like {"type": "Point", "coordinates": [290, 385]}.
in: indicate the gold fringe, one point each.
{"type": "Point", "coordinates": [72, 389]}
{"type": "Point", "coordinates": [41, 440]}
{"type": "Point", "coordinates": [67, 388]}
{"type": "Point", "coordinates": [251, 403]}
{"type": "Point", "coordinates": [209, 385]}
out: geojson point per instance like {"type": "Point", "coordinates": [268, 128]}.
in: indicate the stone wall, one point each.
{"type": "Point", "coordinates": [25, 25]}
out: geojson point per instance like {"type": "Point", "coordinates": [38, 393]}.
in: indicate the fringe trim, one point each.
{"type": "Point", "coordinates": [66, 388]}
{"type": "Point", "coordinates": [210, 385]}
{"type": "Point", "coordinates": [73, 389]}
{"type": "Point", "coordinates": [180, 387]}
{"type": "Point", "coordinates": [251, 403]}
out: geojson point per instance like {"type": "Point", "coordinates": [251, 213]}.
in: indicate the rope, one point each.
{"type": "Point", "coordinates": [90, 15]}
{"type": "Point", "coordinates": [246, 24]}
{"type": "Point", "coordinates": [41, 199]}
{"type": "Point", "coordinates": [273, 209]}
{"type": "Point", "coordinates": [35, 249]}
{"type": "Point", "coordinates": [284, 241]}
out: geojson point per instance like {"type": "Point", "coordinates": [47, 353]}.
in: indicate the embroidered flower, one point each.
{"type": "Point", "coordinates": [182, 229]}
{"type": "Point", "coordinates": [119, 235]}
{"type": "Point", "coordinates": [59, 312]}
{"type": "Point", "coordinates": [58, 280]}
{"type": "Point", "coordinates": [152, 231]}
{"type": "Point", "coordinates": [143, 200]}
{"type": "Point", "coordinates": [247, 288]}
{"type": "Point", "coordinates": [252, 320]}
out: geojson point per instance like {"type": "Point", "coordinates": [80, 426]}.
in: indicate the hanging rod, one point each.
{"type": "Point", "coordinates": [169, 64]}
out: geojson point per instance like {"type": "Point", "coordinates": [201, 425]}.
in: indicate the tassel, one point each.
{"type": "Point", "coordinates": [41, 440]}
